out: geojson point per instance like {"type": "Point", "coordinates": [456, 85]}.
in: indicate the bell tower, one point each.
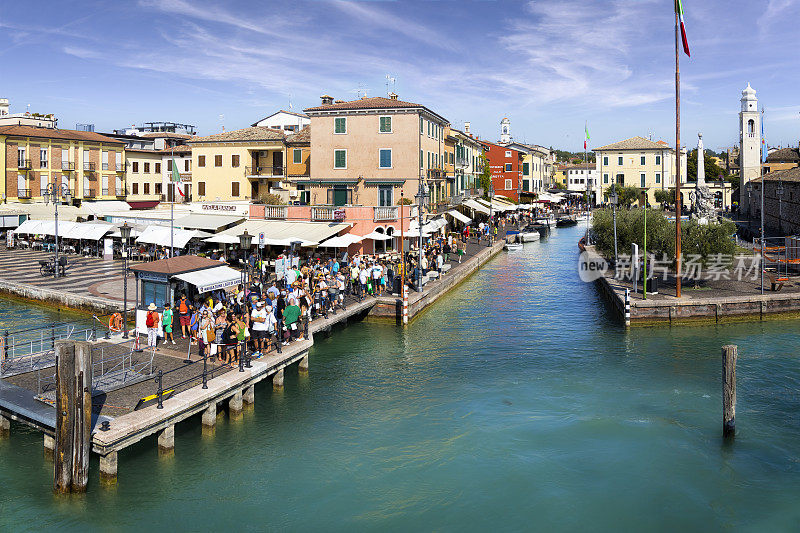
{"type": "Point", "coordinates": [505, 131]}
{"type": "Point", "coordinates": [749, 144]}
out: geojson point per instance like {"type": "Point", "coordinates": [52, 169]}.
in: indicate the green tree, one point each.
{"type": "Point", "coordinates": [663, 196]}
{"type": "Point", "coordinates": [485, 176]}
{"type": "Point", "coordinates": [272, 199]}
{"type": "Point", "coordinates": [713, 171]}
{"type": "Point", "coordinates": [559, 185]}
{"type": "Point", "coordinates": [626, 195]}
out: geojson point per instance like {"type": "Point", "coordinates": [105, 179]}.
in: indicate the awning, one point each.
{"type": "Point", "coordinates": [160, 235]}
{"type": "Point", "coordinates": [211, 279]}
{"type": "Point", "coordinates": [223, 239]}
{"type": "Point", "coordinates": [207, 222]}
{"type": "Point", "coordinates": [458, 216]}
{"type": "Point", "coordinates": [278, 231]}
{"type": "Point", "coordinates": [342, 241]}
{"type": "Point", "coordinates": [87, 232]}
{"type": "Point", "coordinates": [475, 206]}
{"type": "Point", "coordinates": [377, 236]}
{"type": "Point", "coordinates": [29, 227]}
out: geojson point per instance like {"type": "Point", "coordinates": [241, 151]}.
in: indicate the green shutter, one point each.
{"type": "Point", "coordinates": [340, 159]}
{"type": "Point", "coordinates": [339, 125]}
{"type": "Point", "coordinates": [298, 155]}
{"type": "Point", "coordinates": [386, 124]}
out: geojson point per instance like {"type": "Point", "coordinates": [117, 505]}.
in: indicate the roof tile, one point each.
{"type": "Point", "coordinates": [54, 133]}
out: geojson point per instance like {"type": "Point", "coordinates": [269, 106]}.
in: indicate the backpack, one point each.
{"type": "Point", "coordinates": [183, 309]}
{"type": "Point", "coordinates": [151, 321]}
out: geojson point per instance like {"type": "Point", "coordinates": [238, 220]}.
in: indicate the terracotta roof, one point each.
{"type": "Point", "coordinates": [181, 148]}
{"type": "Point", "coordinates": [143, 151]}
{"type": "Point", "coordinates": [302, 136]}
{"type": "Point", "coordinates": [790, 174]}
{"type": "Point", "coordinates": [177, 265]}
{"type": "Point", "coordinates": [166, 134]}
{"type": "Point", "coordinates": [375, 102]}
{"type": "Point", "coordinates": [253, 133]}
{"type": "Point", "coordinates": [53, 133]}
{"type": "Point", "coordinates": [581, 166]}
{"type": "Point", "coordinates": [634, 143]}
{"type": "Point", "coordinates": [789, 155]}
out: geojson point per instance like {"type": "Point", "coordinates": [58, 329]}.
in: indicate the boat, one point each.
{"type": "Point", "coordinates": [528, 235]}
{"type": "Point", "coordinates": [543, 229]}
{"type": "Point", "coordinates": [512, 246]}
{"type": "Point", "coordinates": [564, 222]}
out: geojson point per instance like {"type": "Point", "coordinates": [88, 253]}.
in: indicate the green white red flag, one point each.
{"type": "Point", "coordinates": [176, 177]}
{"type": "Point", "coordinates": [679, 10]}
{"type": "Point", "coordinates": [586, 140]}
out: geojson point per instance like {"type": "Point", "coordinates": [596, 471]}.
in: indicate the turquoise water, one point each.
{"type": "Point", "coordinates": [511, 404]}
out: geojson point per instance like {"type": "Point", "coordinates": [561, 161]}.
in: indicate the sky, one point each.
{"type": "Point", "coordinates": [551, 66]}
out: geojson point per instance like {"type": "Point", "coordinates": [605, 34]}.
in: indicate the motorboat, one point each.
{"type": "Point", "coordinates": [542, 229]}
{"type": "Point", "coordinates": [528, 234]}
{"type": "Point", "coordinates": [567, 221]}
{"type": "Point", "coordinates": [513, 246]}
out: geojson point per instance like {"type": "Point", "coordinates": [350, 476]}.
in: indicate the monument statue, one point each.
{"type": "Point", "coordinates": [702, 198]}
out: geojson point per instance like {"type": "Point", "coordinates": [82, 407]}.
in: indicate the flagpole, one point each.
{"type": "Point", "coordinates": [677, 157]}
{"type": "Point", "coordinates": [172, 210]}
{"type": "Point", "coordinates": [586, 166]}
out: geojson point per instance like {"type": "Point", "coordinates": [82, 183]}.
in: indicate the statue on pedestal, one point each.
{"type": "Point", "coordinates": [702, 198]}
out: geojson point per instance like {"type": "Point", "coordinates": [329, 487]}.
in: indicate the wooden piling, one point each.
{"type": "Point", "coordinates": [73, 416]}
{"type": "Point", "coordinates": [729, 355]}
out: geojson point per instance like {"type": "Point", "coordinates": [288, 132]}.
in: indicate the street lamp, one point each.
{"type": "Point", "coordinates": [245, 240]}
{"type": "Point", "coordinates": [491, 211]}
{"type": "Point", "coordinates": [125, 233]}
{"type": "Point", "coordinates": [421, 196]}
{"type": "Point", "coordinates": [54, 193]}
{"type": "Point", "coordinates": [614, 200]}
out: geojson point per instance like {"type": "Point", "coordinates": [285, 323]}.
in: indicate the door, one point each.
{"type": "Point", "coordinates": [339, 196]}
{"type": "Point", "coordinates": [277, 163]}
{"type": "Point", "coordinates": [384, 196]}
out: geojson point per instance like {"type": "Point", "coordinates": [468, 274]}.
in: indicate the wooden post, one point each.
{"type": "Point", "coordinates": [73, 416]}
{"type": "Point", "coordinates": [729, 354]}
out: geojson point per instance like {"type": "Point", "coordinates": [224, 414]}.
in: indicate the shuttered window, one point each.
{"type": "Point", "coordinates": [340, 159]}
{"type": "Point", "coordinates": [340, 125]}
{"type": "Point", "coordinates": [386, 158]}
{"type": "Point", "coordinates": [386, 124]}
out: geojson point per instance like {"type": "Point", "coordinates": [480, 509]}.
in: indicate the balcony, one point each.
{"type": "Point", "coordinates": [462, 162]}
{"type": "Point", "coordinates": [105, 192]}
{"type": "Point", "coordinates": [24, 193]}
{"type": "Point", "coordinates": [67, 166]}
{"type": "Point", "coordinates": [382, 214]}
{"type": "Point", "coordinates": [104, 166]}
{"type": "Point", "coordinates": [435, 173]}
{"type": "Point", "coordinates": [263, 172]}
{"type": "Point", "coordinates": [322, 214]}
{"type": "Point", "coordinates": [275, 212]}
{"type": "Point", "coordinates": [89, 167]}
{"type": "Point", "coordinates": [24, 164]}
{"type": "Point", "coordinates": [43, 163]}
{"type": "Point", "coordinates": [122, 193]}
{"type": "Point", "coordinates": [120, 167]}
{"type": "Point", "coordinates": [89, 193]}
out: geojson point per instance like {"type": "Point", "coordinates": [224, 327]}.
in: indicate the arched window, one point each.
{"type": "Point", "coordinates": [390, 244]}
{"type": "Point", "coordinates": [380, 246]}
{"type": "Point", "coordinates": [751, 126]}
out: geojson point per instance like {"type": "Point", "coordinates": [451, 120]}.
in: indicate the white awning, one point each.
{"type": "Point", "coordinates": [160, 235]}
{"type": "Point", "coordinates": [342, 241]}
{"type": "Point", "coordinates": [475, 206]}
{"type": "Point", "coordinates": [87, 232]}
{"type": "Point", "coordinates": [211, 279]}
{"type": "Point", "coordinates": [278, 232]}
{"type": "Point", "coordinates": [377, 236]}
{"type": "Point", "coordinates": [29, 227]}
{"type": "Point", "coordinates": [458, 216]}
{"type": "Point", "coordinates": [207, 222]}
{"type": "Point", "coordinates": [223, 239]}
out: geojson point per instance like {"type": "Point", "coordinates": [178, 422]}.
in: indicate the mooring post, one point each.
{"type": "Point", "coordinates": [627, 307]}
{"type": "Point", "coordinates": [73, 416]}
{"type": "Point", "coordinates": [65, 395]}
{"type": "Point", "coordinates": [405, 304]}
{"type": "Point", "coordinates": [83, 416]}
{"type": "Point", "coordinates": [729, 354]}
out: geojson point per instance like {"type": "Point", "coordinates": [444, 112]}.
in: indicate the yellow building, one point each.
{"type": "Point", "coordinates": [245, 164]}
{"type": "Point", "coordinates": [560, 175]}
{"type": "Point", "coordinates": [298, 165]}
{"type": "Point", "coordinates": [91, 166]}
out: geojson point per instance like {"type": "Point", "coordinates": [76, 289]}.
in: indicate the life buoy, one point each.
{"type": "Point", "coordinates": [115, 322]}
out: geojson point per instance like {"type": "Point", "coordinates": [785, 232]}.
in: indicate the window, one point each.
{"type": "Point", "coordinates": [135, 166]}
{"type": "Point", "coordinates": [147, 168]}
{"type": "Point", "coordinates": [43, 157]}
{"type": "Point", "coordinates": [751, 126]}
{"type": "Point", "coordinates": [605, 178]}
{"type": "Point", "coordinates": [642, 160]}
{"type": "Point", "coordinates": [508, 167]}
{"type": "Point", "coordinates": [340, 159]}
{"type": "Point", "coordinates": [642, 179]}
{"type": "Point", "coordinates": [421, 125]}
{"type": "Point", "coordinates": [234, 161]}
{"type": "Point", "coordinates": [385, 196]}
{"type": "Point", "coordinates": [187, 164]}
{"type": "Point", "coordinates": [658, 177]}
{"type": "Point", "coordinates": [658, 160]}
{"type": "Point", "coordinates": [605, 160]}
{"type": "Point", "coordinates": [385, 158]}
{"type": "Point", "coordinates": [21, 156]}
{"type": "Point", "coordinates": [201, 188]}
{"type": "Point", "coordinates": [169, 165]}
{"type": "Point", "coordinates": [509, 185]}
{"type": "Point", "coordinates": [526, 169]}
{"type": "Point", "coordinates": [158, 168]}
{"type": "Point", "coordinates": [201, 160]}
{"type": "Point", "coordinates": [508, 153]}
{"type": "Point", "coordinates": [147, 188]}
{"type": "Point", "coordinates": [421, 159]}
{"type": "Point", "coordinates": [525, 185]}
{"type": "Point", "coordinates": [340, 125]}
{"type": "Point", "coordinates": [619, 160]}
{"type": "Point", "coordinates": [234, 188]}
{"type": "Point", "coordinates": [217, 160]}
{"type": "Point", "coordinates": [297, 156]}
{"type": "Point", "coordinates": [158, 188]}
{"type": "Point", "coordinates": [386, 124]}
{"type": "Point", "coordinates": [135, 188]}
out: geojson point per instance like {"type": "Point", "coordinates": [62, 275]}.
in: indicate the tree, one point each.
{"type": "Point", "coordinates": [272, 199]}
{"type": "Point", "coordinates": [404, 201]}
{"type": "Point", "coordinates": [559, 185]}
{"type": "Point", "coordinates": [485, 176]}
{"type": "Point", "coordinates": [626, 195]}
{"type": "Point", "coordinates": [713, 171]}
{"type": "Point", "coordinates": [663, 196]}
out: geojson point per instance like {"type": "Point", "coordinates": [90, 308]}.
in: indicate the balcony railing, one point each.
{"type": "Point", "coordinates": [43, 163]}
{"type": "Point", "coordinates": [385, 213]}
{"type": "Point", "coordinates": [105, 192]}
{"type": "Point", "coordinates": [121, 193]}
{"type": "Point", "coordinates": [104, 166]}
{"type": "Point", "coordinates": [435, 173]}
{"type": "Point", "coordinates": [89, 193]}
{"type": "Point", "coordinates": [24, 163]}
{"type": "Point", "coordinates": [263, 171]}
{"type": "Point", "coordinates": [89, 166]}
{"type": "Point", "coordinates": [23, 193]}
{"type": "Point", "coordinates": [67, 165]}
{"type": "Point", "coordinates": [275, 212]}
{"type": "Point", "coordinates": [120, 167]}
{"type": "Point", "coordinates": [322, 214]}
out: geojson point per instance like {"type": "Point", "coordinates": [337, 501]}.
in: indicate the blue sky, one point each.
{"type": "Point", "coordinates": [548, 65]}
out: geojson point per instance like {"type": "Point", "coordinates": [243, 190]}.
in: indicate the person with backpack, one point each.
{"type": "Point", "coordinates": [152, 322]}
{"type": "Point", "coordinates": [194, 324]}
{"type": "Point", "coordinates": [183, 315]}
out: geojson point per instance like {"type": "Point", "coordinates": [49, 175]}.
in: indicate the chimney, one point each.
{"type": "Point", "coordinates": [326, 99]}
{"type": "Point", "coordinates": [466, 127]}
{"type": "Point", "coordinates": [393, 96]}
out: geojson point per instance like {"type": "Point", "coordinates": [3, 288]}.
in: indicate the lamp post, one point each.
{"type": "Point", "coordinates": [125, 233]}
{"type": "Point", "coordinates": [491, 212]}
{"type": "Point", "coordinates": [614, 199]}
{"type": "Point", "coordinates": [421, 196]}
{"type": "Point", "coordinates": [245, 240]}
{"type": "Point", "coordinates": [54, 194]}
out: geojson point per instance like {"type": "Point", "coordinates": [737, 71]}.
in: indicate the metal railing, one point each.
{"type": "Point", "coordinates": [23, 193]}
{"type": "Point", "coordinates": [275, 212]}
{"type": "Point", "coordinates": [67, 165]}
{"type": "Point", "coordinates": [120, 167]}
{"type": "Point", "coordinates": [385, 213]}
{"type": "Point", "coordinates": [24, 163]}
{"type": "Point", "coordinates": [263, 171]}
{"type": "Point", "coordinates": [89, 193]}
{"type": "Point", "coordinates": [89, 166]}
{"type": "Point", "coordinates": [43, 163]}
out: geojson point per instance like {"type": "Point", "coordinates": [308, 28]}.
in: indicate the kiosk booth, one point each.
{"type": "Point", "coordinates": [165, 280]}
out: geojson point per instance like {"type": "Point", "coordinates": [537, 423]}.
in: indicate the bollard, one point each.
{"type": "Point", "coordinates": [729, 355]}
{"type": "Point", "coordinates": [160, 391]}
{"type": "Point", "coordinates": [73, 416]}
{"type": "Point", "coordinates": [205, 371]}
{"type": "Point", "coordinates": [627, 307]}
{"type": "Point", "coordinates": [405, 304]}
{"type": "Point", "coordinates": [5, 345]}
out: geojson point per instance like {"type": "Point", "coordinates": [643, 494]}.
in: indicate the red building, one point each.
{"type": "Point", "coordinates": [506, 166]}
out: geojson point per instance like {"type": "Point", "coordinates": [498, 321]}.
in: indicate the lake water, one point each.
{"type": "Point", "coordinates": [514, 403]}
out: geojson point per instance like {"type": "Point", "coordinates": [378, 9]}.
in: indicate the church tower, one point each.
{"type": "Point", "coordinates": [505, 131]}
{"type": "Point", "coordinates": [749, 144]}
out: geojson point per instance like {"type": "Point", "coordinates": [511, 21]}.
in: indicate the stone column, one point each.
{"type": "Point", "coordinates": [210, 415]}
{"type": "Point", "coordinates": [108, 467]}
{"type": "Point", "coordinates": [235, 403]}
{"type": "Point", "coordinates": [277, 380]}
{"type": "Point", "coordinates": [166, 439]}
{"type": "Point", "coordinates": [49, 445]}
{"type": "Point", "coordinates": [249, 395]}
{"type": "Point", "coordinates": [303, 365]}
{"type": "Point", "coordinates": [5, 426]}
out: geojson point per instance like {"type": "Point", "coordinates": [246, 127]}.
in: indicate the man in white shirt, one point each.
{"type": "Point", "coordinates": [260, 327]}
{"type": "Point", "coordinates": [362, 280]}
{"type": "Point", "coordinates": [377, 273]}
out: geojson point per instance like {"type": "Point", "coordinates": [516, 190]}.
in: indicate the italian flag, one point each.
{"type": "Point", "coordinates": [679, 11]}
{"type": "Point", "coordinates": [176, 177]}
{"type": "Point", "coordinates": [586, 140]}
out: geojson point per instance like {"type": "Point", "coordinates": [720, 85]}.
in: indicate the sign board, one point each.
{"type": "Point", "coordinates": [261, 239]}
{"type": "Point", "coordinates": [150, 276]}
{"type": "Point", "coordinates": [339, 215]}
{"type": "Point", "coordinates": [219, 207]}
{"type": "Point", "coordinates": [10, 239]}
{"type": "Point", "coordinates": [108, 249]}
{"type": "Point", "coordinates": [280, 267]}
